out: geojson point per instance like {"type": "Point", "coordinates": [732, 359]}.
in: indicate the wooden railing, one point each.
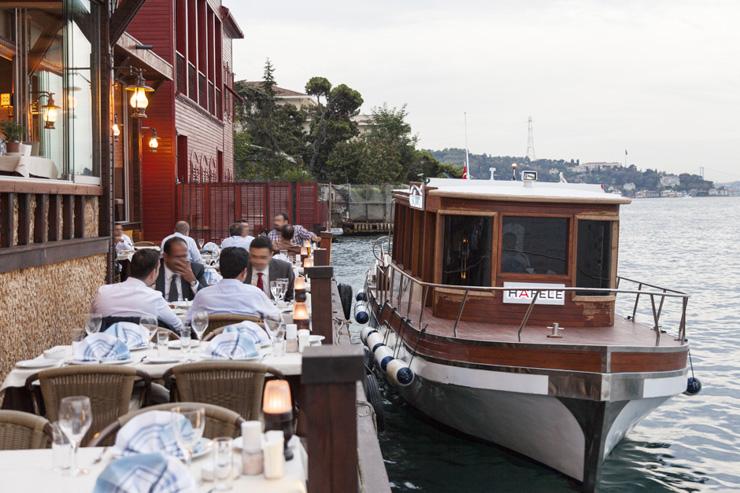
{"type": "Point", "coordinates": [45, 222]}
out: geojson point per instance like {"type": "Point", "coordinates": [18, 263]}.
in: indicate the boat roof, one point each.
{"type": "Point", "coordinates": [517, 191]}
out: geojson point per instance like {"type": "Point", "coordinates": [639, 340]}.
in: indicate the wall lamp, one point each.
{"type": "Point", "coordinates": [153, 140]}
{"type": "Point", "coordinates": [139, 100]}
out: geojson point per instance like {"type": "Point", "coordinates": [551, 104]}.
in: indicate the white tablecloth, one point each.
{"type": "Point", "coordinates": [32, 471]}
{"type": "Point", "coordinates": [29, 165]}
{"type": "Point", "coordinates": [289, 364]}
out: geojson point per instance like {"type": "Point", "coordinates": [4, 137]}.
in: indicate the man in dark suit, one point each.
{"type": "Point", "coordinates": [263, 268]}
{"type": "Point", "coordinates": [179, 279]}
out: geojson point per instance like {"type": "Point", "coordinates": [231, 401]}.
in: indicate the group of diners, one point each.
{"type": "Point", "coordinates": [176, 273]}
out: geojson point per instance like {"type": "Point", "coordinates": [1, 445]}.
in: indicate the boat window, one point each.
{"type": "Point", "coordinates": [467, 251]}
{"type": "Point", "coordinates": [534, 245]}
{"type": "Point", "coordinates": [593, 264]}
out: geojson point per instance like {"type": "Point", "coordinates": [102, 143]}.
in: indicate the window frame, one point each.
{"type": "Point", "coordinates": [614, 220]}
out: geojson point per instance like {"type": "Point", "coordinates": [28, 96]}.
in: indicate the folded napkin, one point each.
{"type": "Point", "coordinates": [211, 247]}
{"type": "Point", "coordinates": [100, 347]}
{"type": "Point", "coordinates": [211, 276]}
{"type": "Point", "coordinates": [257, 334]}
{"type": "Point", "coordinates": [235, 344]}
{"type": "Point", "coordinates": [152, 431]}
{"type": "Point", "coordinates": [146, 473]}
{"type": "Point", "coordinates": [131, 334]}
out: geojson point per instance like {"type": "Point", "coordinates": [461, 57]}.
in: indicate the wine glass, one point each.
{"type": "Point", "coordinates": [185, 338]}
{"type": "Point", "coordinates": [75, 418]}
{"type": "Point", "coordinates": [275, 290]}
{"type": "Point", "coordinates": [93, 323]}
{"type": "Point", "coordinates": [188, 437]}
{"type": "Point", "coordinates": [201, 242]}
{"type": "Point", "coordinates": [199, 323]}
{"type": "Point", "coordinates": [284, 283]}
{"type": "Point", "coordinates": [150, 323]}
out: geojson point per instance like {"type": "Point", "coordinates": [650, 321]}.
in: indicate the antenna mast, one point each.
{"type": "Point", "coordinates": [467, 160]}
{"type": "Point", "coordinates": [530, 141]}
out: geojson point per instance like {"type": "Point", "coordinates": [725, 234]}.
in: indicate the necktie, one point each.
{"type": "Point", "coordinates": [173, 289]}
{"type": "Point", "coordinates": [259, 281]}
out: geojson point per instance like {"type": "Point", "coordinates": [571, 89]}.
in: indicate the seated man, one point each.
{"type": "Point", "coordinates": [512, 259]}
{"type": "Point", "coordinates": [134, 297]}
{"type": "Point", "coordinates": [286, 241]}
{"type": "Point", "coordinates": [300, 234]}
{"type": "Point", "coordinates": [121, 240]}
{"type": "Point", "coordinates": [179, 279]}
{"type": "Point", "coordinates": [182, 230]}
{"type": "Point", "coordinates": [238, 236]}
{"type": "Point", "coordinates": [231, 294]}
{"type": "Point", "coordinates": [263, 268]}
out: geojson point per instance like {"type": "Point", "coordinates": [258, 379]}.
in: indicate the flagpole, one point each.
{"type": "Point", "coordinates": [467, 159]}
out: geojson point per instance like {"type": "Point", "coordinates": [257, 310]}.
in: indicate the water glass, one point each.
{"type": "Point", "coordinates": [61, 449]}
{"type": "Point", "coordinates": [163, 338]}
{"type": "Point", "coordinates": [188, 437]}
{"type": "Point", "coordinates": [78, 335]}
{"type": "Point", "coordinates": [150, 323]}
{"type": "Point", "coordinates": [185, 338]}
{"type": "Point", "coordinates": [93, 323]}
{"type": "Point", "coordinates": [223, 460]}
{"type": "Point", "coordinates": [278, 341]}
{"type": "Point", "coordinates": [200, 323]}
{"type": "Point", "coordinates": [75, 418]}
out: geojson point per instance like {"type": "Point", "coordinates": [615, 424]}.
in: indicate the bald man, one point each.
{"type": "Point", "coordinates": [182, 230]}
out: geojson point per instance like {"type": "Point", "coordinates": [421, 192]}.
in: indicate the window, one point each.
{"type": "Point", "coordinates": [593, 263]}
{"type": "Point", "coordinates": [534, 245]}
{"type": "Point", "coordinates": [467, 251]}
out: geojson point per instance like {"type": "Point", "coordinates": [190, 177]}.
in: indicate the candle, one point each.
{"type": "Point", "coordinates": [273, 455]}
{"type": "Point", "coordinates": [300, 314]}
{"type": "Point", "coordinates": [308, 262]}
{"type": "Point", "coordinates": [304, 251]}
{"type": "Point", "coordinates": [291, 338]}
{"type": "Point", "coordinates": [303, 336]}
{"type": "Point", "coordinates": [251, 436]}
{"type": "Point", "coordinates": [300, 283]}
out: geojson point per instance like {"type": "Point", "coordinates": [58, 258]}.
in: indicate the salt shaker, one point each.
{"type": "Point", "coordinates": [291, 338]}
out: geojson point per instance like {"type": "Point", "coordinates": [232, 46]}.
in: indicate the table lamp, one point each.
{"type": "Point", "coordinates": [299, 288]}
{"type": "Point", "coordinates": [308, 262]}
{"type": "Point", "coordinates": [300, 314]}
{"type": "Point", "coordinates": [277, 407]}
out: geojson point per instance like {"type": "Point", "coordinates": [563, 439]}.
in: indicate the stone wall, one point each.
{"type": "Point", "coordinates": [40, 306]}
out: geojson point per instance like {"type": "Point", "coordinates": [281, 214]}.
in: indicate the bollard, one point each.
{"type": "Point", "coordinates": [321, 302]}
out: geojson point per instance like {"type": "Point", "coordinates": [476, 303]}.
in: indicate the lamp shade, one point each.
{"type": "Point", "coordinates": [300, 311]}
{"type": "Point", "coordinates": [299, 283]}
{"type": "Point", "coordinates": [276, 398]}
{"type": "Point", "coordinates": [308, 262]}
{"type": "Point", "coordinates": [304, 251]}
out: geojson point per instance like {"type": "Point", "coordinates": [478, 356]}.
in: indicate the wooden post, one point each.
{"type": "Point", "coordinates": [41, 219]}
{"type": "Point", "coordinates": [8, 225]}
{"type": "Point", "coordinates": [329, 377]}
{"type": "Point", "coordinates": [321, 306]}
{"type": "Point", "coordinates": [320, 256]}
{"type": "Point", "coordinates": [325, 242]}
{"type": "Point", "coordinates": [24, 218]}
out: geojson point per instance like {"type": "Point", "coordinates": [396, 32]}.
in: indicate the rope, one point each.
{"type": "Point", "coordinates": [691, 364]}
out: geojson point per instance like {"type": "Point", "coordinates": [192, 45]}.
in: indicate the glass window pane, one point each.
{"type": "Point", "coordinates": [593, 263]}
{"type": "Point", "coordinates": [534, 245]}
{"type": "Point", "coordinates": [467, 251]}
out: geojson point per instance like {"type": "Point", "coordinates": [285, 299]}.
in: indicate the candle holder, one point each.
{"type": "Point", "coordinates": [277, 408]}
{"type": "Point", "coordinates": [308, 262]}
{"type": "Point", "coordinates": [299, 288]}
{"type": "Point", "coordinates": [300, 314]}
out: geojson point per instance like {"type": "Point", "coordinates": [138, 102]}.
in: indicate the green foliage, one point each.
{"type": "Point", "coordinates": [13, 131]}
{"type": "Point", "coordinates": [318, 86]}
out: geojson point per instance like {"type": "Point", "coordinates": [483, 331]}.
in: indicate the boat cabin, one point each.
{"type": "Point", "coordinates": [520, 234]}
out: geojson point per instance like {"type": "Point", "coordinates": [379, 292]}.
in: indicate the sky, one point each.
{"type": "Point", "coordinates": [658, 78]}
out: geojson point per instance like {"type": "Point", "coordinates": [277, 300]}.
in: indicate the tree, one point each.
{"type": "Point", "coordinates": [318, 86]}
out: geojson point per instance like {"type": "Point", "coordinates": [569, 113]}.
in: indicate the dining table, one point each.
{"type": "Point", "coordinates": [33, 471]}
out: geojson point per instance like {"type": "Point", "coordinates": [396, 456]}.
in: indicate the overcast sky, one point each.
{"type": "Point", "coordinates": [660, 78]}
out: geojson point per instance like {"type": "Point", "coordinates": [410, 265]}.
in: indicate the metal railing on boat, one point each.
{"type": "Point", "coordinates": [389, 275]}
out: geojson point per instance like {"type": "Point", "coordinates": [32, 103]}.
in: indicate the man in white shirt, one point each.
{"type": "Point", "coordinates": [134, 297]}
{"type": "Point", "coordinates": [121, 240]}
{"type": "Point", "coordinates": [238, 236]}
{"type": "Point", "coordinates": [231, 294]}
{"type": "Point", "coordinates": [182, 229]}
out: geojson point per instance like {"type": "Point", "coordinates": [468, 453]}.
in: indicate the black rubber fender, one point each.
{"type": "Point", "coordinates": [345, 294]}
{"type": "Point", "coordinates": [372, 393]}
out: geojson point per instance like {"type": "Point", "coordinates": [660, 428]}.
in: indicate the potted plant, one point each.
{"type": "Point", "coordinates": [13, 134]}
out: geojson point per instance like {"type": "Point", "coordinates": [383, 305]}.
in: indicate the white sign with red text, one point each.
{"type": "Point", "coordinates": [523, 292]}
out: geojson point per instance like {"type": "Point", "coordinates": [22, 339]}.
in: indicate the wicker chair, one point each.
{"type": "Point", "coordinates": [220, 320]}
{"type": "Point", "coordinates": [235, 385]}
{"type": "Point", "coordinates": [109, 388]}
{"type": "Point", "coordinates": [220, 422]}
{"type": "Point", "coordinates": [145, 244]}
{"type": "Point", "coordinates": [19, 431]}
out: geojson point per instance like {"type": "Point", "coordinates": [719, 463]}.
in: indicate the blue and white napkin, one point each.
{"type": "Point", "coordinates": [146, 473]}
{"type": "Point", "coordinates": [152, 431]}
{"type": "Point", "coordinates": [131, 334]}
{"type": "Point", "coordinates": [234, 344]}
{"type": "Point", "coordinates": [100, 347]}
{"type": "Point", "coordinates": [211, 248]}
{"type": "Point", "coordinates": [212, 276]}
{"type": "Point", "coordinates": [258, 334]}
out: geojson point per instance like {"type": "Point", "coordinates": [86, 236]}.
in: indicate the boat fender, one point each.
{"type": "Point", "coordinates": [372, 393]}
{"type": "Point", "coordinates": [373, 340]}
{"type": "Point", "coordinates": [361, 296]}
{"type": "Point", "coordinates": [366, 331]}
{"type": "Point", "coordinates": [693, 386]}
{"type": "Point", "coordinates": [399, 373]}
{"type": "Point", "coordinates": [383, 356]}
{"type": "Point", "coordinates": [345, 295]}
{"type": "Point", "coordinates": [362, 316]}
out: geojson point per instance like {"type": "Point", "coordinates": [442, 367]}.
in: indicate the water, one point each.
{"type": "Point", "coordinates": [688, 444]}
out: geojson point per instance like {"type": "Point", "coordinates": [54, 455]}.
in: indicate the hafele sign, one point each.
{"type": "Point", "coordinates": [523, 293]}
{"type": "Point", "coordinates": [416, 197]}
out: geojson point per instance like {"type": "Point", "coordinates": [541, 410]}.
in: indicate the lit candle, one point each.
{"type": "Point", "coordinates": [308, 262]}
{"type": "Point", "coordinates": [304, 251]}
{"type": "Point", "coordinates": [300, 314]}
{"type": "Point", "coordinates": [277, 408]}
{"type": "Point", "coordinates": [300, 283]}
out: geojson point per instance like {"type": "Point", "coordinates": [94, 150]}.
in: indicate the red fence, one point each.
{"type": "Point", "coordinates": [211, 207]}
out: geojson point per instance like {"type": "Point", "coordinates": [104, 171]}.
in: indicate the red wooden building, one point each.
{"type": "Point", "coordinates": [183, 49]}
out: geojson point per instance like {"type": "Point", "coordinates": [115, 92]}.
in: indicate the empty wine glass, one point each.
{"type": "Point", "coordinates": [201, 242]}
{"type": "Point", "coordinates": [222, 463]}
{"type": "Point", "coordinates": [199, 323]}
{"type": "Point", "coordinates": [284, 283]}
{"type": "Point", "coordinates": [275, 290]}
{"type": "Point", "coordinates": [150, 323]}
{"type": "Point", "coordinates": [188, 437]}
{"type": "Point", "coordinates": [75, 418]}
{"type": "Point", "coordinates": [93, 323]}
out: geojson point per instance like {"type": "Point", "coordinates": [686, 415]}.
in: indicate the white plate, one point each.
{"type": "Point", "coordinates": [208, 357]}
{"type": "Point", "coordinates": [108, 362]}
{"type": "Point", "coordinates": [315, 339]}
{"type": "Point", "coordinates": [57, 352]}
{"type": "Point", "coordinates": [180, 304]}
{"type": "Point", "coordinates": [162, 360]}
{"type": "Point", "coordinates": [203, 447]}
{"type": "Point", "coordinates": [30, 364]}
{"type": "Point", "coordinates": [176, 344]}
{"type": "Point", "coordinates": [139, 348]}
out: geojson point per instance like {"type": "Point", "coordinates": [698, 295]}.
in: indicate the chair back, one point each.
{"type": "Point", "coordinates": [220, 320]}
{"type": "Point", "coordinates": [235, 385]}
{"type": "Point", "coordinates": [110, 320]}
{"type": "Point", "coordinates": [109, 388]}
{"type": "Point", "coordinates": [20, 431]}
{"type": "Point", "coordinates": [145, 244]}
{"type": "Point", "coordinates": [220, 422]}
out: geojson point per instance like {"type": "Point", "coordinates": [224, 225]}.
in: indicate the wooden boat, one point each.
{"type": "Point", "coordinates": [500, 297]}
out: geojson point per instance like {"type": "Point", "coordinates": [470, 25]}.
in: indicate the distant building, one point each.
{"type": "Point", "coordinates": [668, 181]}
{"type": "Point", "coordinates": [629, 187]}
{"type": "Point", "coordinates": [597, 165]}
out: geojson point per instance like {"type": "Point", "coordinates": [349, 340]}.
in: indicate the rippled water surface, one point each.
{"type": "Point", "coordinates": [688, 444]}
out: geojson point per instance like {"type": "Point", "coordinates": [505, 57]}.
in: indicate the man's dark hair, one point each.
{"type": "Point", "coordinates": [287, 232]}
{"type": "Point", "coordinates": [168, 244]}
{"type": "Point", "coordinates": [235, 229]}
{"type": "Point", "coordinates": [284, 215]}
{"type": "Point", "coordinates": [233, 261]}
{"type": "Point", "coordinates": [261, 242]}
{"type": "Point", "coordinates": [143, 263]}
